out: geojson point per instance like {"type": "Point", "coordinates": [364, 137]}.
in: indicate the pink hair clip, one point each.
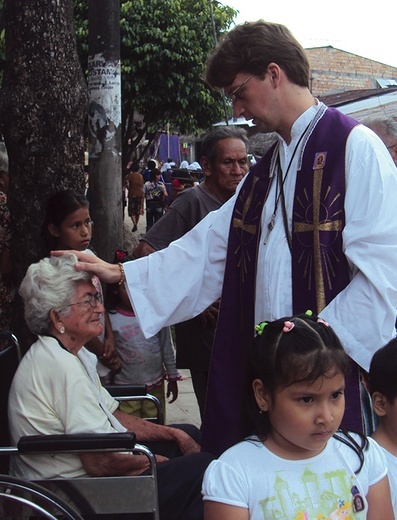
{"type": "Point", "coordinates": [320, 320]}
{"type": "Point", "coordinates": [288, 326]}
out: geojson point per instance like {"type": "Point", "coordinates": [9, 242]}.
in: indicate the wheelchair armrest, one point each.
{"type": "Point", "coordinates": [123, 390]}
{"type": "Point", "coordinates": [76, 442]}
{"type": "Point", "coordinates": [136, 392]}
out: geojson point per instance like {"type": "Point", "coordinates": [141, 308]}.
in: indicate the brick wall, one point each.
{"type": "Point", "coordinates": [333, 70]}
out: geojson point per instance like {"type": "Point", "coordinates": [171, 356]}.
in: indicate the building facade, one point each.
{"type": "Point", "coordinates": [333, 70]}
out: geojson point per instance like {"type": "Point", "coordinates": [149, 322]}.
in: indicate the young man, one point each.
{"type": "Point", "coordinates": [383, 390]}
{"type": "Point", "coordinates": [311, 227]}
{"type": "Point", "coordinates": [224, 163]}
{"type": "Point", "coordinates": [134, 183]}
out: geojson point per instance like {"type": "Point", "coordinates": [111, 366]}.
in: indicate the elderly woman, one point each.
{"type": "Point", "coordinates": [56, 390]}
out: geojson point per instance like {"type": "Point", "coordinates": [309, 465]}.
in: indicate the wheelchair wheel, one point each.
{"type": "Point", "coordinates": [20, 500]}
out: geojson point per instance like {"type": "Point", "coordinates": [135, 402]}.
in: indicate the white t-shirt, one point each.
{"type": "Point", "coordinates": [144, 361]}
{"type": "Point", "coordinates": [248, 475]}
{"type": "Point", "coordinates": [391, 461]}
{"type": "Point", "coordinates": [52, 393]}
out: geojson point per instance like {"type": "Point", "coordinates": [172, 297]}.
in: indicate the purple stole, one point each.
{"type": "Point", "coordinates": [319, 268]}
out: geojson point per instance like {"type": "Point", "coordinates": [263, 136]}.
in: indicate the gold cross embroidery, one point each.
{"type": "Point", "coordinates": [240, 222]}
{"type": "Point", "coordinates": [316, 227]}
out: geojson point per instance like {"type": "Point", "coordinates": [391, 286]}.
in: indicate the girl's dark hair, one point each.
{"type": "Point", "coordinates": [59, 206]}
{"type": "Point", "coordinates": [279, 359]}
{"type": "Point", "coordinates": [311, 349]}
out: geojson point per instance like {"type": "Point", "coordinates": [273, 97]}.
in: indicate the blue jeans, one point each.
{"type": "Point", "coordinates": [154, 211]}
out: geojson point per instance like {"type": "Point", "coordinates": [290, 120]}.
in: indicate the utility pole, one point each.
{"type": "Point", "coordinates": [104, 121]}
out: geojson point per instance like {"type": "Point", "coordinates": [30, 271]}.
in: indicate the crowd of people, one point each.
{"type": "Point", "coordinates": [280, 281]}
{"type": "Point", "coordinates": [155, 187]}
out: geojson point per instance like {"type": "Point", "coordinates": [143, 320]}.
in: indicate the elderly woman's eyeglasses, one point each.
{"type": "Point", "coordinates": [92, 299]}
{"type": "Point", "coordinates": [233, 96]}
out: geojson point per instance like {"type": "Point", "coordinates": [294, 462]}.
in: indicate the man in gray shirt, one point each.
{"type": "Point", "coordinates": [224, 163]}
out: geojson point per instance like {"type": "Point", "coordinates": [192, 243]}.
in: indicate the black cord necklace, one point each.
{"type": "Point", "coordinates": [279, 194]}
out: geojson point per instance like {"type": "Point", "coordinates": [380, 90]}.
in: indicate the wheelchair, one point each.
{"type": "Point", "coordinates": [135, 497]}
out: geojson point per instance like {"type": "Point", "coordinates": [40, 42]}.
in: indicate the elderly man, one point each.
{"type": "Point", "coordinates": [224, 163]}
{"type": "Point", "coordinates": [386, 128]}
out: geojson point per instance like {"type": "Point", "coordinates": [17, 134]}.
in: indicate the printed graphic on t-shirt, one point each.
{"type": "Point", "coordinates": [331, 495]}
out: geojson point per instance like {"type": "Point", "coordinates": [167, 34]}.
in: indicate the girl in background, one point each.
{"type": "Point", "coordinates": [144, 361]}
{"type": "Point", "coordinates": [68, 225]}
{"type": "Point", "coordinates": [297, 463]}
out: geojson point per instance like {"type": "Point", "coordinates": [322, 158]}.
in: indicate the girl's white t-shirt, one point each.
{"type": "Point", "coordinates": [248, 475]}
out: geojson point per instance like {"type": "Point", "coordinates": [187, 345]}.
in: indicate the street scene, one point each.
{"type": "Point", "coordinates": [197, 260]}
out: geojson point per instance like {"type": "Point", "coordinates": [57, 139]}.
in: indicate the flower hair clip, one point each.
{"type": "Point", "coordinates": [288, 326]}
{"type": "Point", "coordinates": [259, 328]}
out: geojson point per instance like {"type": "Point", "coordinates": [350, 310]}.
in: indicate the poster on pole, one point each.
{"type": "Point", "coordinates": [104, 110]}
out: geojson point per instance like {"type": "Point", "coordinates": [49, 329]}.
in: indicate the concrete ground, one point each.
{"type": "Point", "coordinates": [185, 408]}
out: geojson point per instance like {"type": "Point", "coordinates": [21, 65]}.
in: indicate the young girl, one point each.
{"type": "Point", "coordinates": [144, 361]}
{"type": "Point", "coordinates": [297, 464]}
{"type": "Point", "coordinates": [68, 225]}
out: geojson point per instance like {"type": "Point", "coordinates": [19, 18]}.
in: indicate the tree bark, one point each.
{"type": "Point", "coordinates": [43, 105]}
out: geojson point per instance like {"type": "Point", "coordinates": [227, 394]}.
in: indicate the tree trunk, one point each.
{"type": "Point", "coordinates": [43, 104]}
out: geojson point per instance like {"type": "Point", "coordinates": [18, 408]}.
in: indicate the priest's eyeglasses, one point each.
{"type": "Point", "coordinates": [234, 96]}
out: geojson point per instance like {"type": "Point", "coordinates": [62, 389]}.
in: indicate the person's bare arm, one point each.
{"type": "Point", "coordinates": [172, 391]}
{"type": "Point", "coordinates": [143, 249]}
{"type": "Point", "coordinates": [379, 501]}
{"type": "Point", "coordinates": [219, 511]}
{"type": "Point", "coordinates": [111, 464]}
{"type": "Point", "coordinates": [102, 464]}
{"type": "Point", "coordinates": [147, 431]}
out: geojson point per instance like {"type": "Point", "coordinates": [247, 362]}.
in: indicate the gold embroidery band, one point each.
{"type": "Point", "coordinates": [316, 227]}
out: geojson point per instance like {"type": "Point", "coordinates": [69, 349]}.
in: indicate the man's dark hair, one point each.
{"type": "Point", "coordinates": [251, 47]}
{"type": "Point", "coordinates": [134, 166]}
{"type": "Point", "coordinates": [208, 146]}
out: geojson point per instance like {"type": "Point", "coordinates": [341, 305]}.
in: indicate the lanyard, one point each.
{"type": "Point", "coordinates": [279, 194]}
